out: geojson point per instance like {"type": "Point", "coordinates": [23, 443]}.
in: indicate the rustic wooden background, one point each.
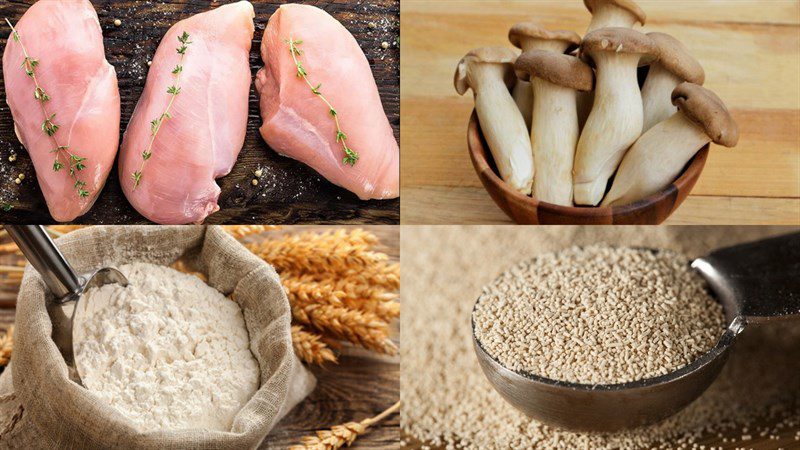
{"type": "Point", "coordinates": [749, 49]}
{"type": "Point", "coordinates": [288, 192]}
{"type": "Point", "coordinates": [363, 384]}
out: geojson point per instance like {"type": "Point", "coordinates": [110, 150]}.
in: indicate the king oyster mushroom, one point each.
{"type": "Point", "coordinates": [658, 157]}
{"type": "Point", "coordinates": [614, 13]}
{"type": "Point", "coordinates": [615, 121]}
{"type": "Point", "coordinates": [530, 36]}
{"type": "Point", "coordinates": [674, 66]}
{"type": "Point", "coordinates": [555, 78]}
{"type": "Point", "coordinates": [489, 71]}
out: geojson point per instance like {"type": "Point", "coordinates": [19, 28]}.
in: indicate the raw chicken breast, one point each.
{"type": "Point", "coordinates": [66, 39]}
{"type": "Point", "coordinates": [298, 124]}
{"type": "Point", "coordinates": [209, 117]}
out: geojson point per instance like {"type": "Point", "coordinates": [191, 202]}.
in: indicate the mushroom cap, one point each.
{"type": "Point", "coordinates": [627, 5]}
{"type": "Point", "coordinates": [704, 108]}
{"type": "Point", "coordinates": [533, 30]}
{"type": "Point", "coordinates": [563, 70]}
{"type": "Point", "coordinates": [620, 40]}
{"type": "Point", "coordinates": [484, 55]}
{"type": "Point", "coordinates": [675, 57]}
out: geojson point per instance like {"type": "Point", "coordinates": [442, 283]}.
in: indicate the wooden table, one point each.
{"type": "Point", "coordinates": [363, 384]}
{"type": "Point", "coordinates": [749, 49]}
{"type": "Point", "coordinates": [290, 192]}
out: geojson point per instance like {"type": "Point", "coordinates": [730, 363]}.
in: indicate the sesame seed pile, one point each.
{"type": "Point", "coordinates": [598, 315]}
{"type": "Point", "coordinates": [449, 404]}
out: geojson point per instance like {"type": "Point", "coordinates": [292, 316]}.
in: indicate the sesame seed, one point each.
{"type": "Point", "coordinates": [21, 176]}
{"type": "Point", "coordinates": [12, 158]}
{"type": "Point", "coordinates": [258, 172]}
{"type": "Point", "coordinates": [384, 45]}
{"type": "Point", "coordinates": [254, 182]}
{"type": "Point", "coordinates": [117, 22]}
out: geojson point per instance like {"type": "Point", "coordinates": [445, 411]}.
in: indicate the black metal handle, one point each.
{"type": "Point", "coordinates": [761, 279]}
{"type": "Point", "coordinates": [45, 257]}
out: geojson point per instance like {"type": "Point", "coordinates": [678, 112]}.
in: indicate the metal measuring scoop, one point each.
{"type": "Point", "coordinates": [67, 287]}
{"type": "Point", "coordinates": [755, 283]}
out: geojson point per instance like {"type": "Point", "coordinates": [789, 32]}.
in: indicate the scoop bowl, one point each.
{"type": "Point", "coordinates": [67, 287]}
{"type": "Point", "coordinates": [756, 283]}
{"type": "Point", "coordinates": [523, 209]}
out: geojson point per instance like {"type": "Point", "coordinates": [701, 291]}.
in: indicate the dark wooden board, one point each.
{"type": "Point", "coordinates": [289, 192]}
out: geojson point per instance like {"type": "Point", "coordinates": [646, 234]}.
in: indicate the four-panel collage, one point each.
{"type": "Point", "coordinates": [207, 206]}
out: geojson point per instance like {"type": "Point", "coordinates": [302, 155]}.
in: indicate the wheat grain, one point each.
{"type": "Point", "coordinates": [341, 435]}
{"type": "Point", "coordinates": [310, 347]}
{"type": "Point", "coordinates": [307, 289]}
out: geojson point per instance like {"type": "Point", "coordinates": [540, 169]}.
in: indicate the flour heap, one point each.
{"type": "Point", "coordinates": [168, 351]}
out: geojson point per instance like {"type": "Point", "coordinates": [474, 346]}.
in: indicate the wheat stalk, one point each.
{"type": "Point", "coordinates": [341, 435]}
{"type": "Point", "coordinates": [310, 347]}
{"type": "Point", "coordinates": [361, 328]}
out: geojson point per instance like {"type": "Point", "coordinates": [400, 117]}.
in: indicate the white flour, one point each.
{"type": "Point", "coordinates": [167, 351]}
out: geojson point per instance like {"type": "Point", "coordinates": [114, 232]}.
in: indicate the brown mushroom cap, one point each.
{"type": "Point", "coordinates": [563, 70]}
{"type": "Point", "coordinates": [533, 30]}
{"type": "Point", "coordinates": [704, 108]}
{"type": "Point", "coordinates": [675, 57]}
{"type": "Point", "coordinates": [487, 55]}
{"type": "Point", "coordinates": [620, 40]}
{"type": "Point", "coordinates": [628, 5]}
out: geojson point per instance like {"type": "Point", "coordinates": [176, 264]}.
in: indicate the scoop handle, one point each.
{"type": "Point", "coordinates": [761, 279]}
{"type": "Point", "coordinates": [45, 257]}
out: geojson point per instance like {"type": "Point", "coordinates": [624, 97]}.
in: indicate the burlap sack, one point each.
{"type": "Point", "coordinates": [42, 408]}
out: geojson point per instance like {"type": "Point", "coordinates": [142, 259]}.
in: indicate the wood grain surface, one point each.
{"type": "Point", "coordinates": [751, 54]}
{"type": "Point", "coordinates": [362, 385]}
{"type": "Point", "coordinates": [288, 191]}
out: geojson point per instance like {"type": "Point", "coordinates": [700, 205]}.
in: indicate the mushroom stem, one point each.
{"type": "Point", "coordinates": [503, 126]}
{"type": "Point", "coordinates": [523, 92]}
{"type": "Point", "coordinates": [554, 135]}
{"type": "Point", "coordinates": [613, 125]}
{"type": "Point", "coordinates": [523, 97]}
{"type": "Point", "coordinates": [656, 159]}
{"type": "Point", "coordinates": [657, 95]}
{"type": "Point", "coordinates": [609, 15]}
{"type": "Point", "coordinates": [585, 103]}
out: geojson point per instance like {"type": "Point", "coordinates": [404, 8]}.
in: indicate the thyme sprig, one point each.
{"type": "Point", "coordinates": [351, 156]}
{"type": "Point", "coordinates": [155, 124]}
{"type": "Point", "coordinates": [72, 162]}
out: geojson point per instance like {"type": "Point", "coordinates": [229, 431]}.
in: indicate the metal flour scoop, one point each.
{"type": "Point", "coordinates": [66, 286]}
{"type": "Point", "coordinates": [756, 283]}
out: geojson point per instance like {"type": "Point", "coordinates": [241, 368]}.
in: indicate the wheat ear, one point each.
{"type": "Point", "coordinates": [361, 328]}
{"type": "Point", "coordinates": [6, 346]}
{"type": "Point", "coordinates": [341, 435]}
{"type": "Point", "coordinates": [310, 348]}
{"type": "Point", "coordinates": [242, 231]}
{"type": "Point", "coordinates": [302, 293]}
{"type": "Point", "coordinates": [330, 252]}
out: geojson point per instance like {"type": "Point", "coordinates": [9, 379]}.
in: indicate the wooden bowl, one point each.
{"type": "Point", "coordinates": [522, 209]}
